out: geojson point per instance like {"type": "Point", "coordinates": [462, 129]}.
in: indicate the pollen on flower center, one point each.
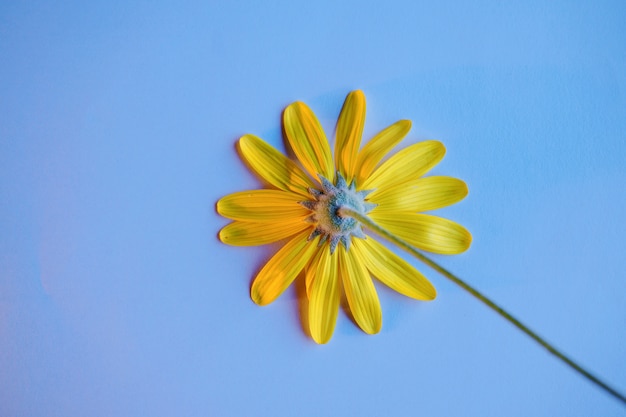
{"type": "Point", "coordinates": [329, 223]}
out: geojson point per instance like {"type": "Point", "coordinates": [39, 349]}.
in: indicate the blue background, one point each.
{"type": "Point", "coordinates": [117, 130]}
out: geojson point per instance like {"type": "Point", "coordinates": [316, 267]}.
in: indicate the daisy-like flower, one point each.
{"type": "Point", "coordinates": [307, 205]}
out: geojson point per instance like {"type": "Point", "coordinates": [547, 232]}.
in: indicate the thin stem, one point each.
{"type": "Point", "coordinates": [344, 211]}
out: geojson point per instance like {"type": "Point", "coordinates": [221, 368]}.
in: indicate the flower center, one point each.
{"type": "Point", "coordinates": [329, 223]}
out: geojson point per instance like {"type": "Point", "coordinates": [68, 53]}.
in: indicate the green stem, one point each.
{"type": "Point", "coordinates": [344, 211]}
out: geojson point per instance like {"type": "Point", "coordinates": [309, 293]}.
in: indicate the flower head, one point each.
{"type": "Point", "coordinates": [306, 203]}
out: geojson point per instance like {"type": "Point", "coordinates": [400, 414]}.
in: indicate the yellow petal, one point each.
{"type": "Point", "coordinates": [430, 233]}
{"type": "Point", "coordinates": [360, 292]}
{"type": "Point", "coordinates": [280, 271]}
{"type": "Point", "coordinates": [407, 165]}
{"type": "Point", "coordinates": [240, 233]}
{"type": "Point", "coordinates": [324, 296]}
{"type": "Point", "coordinates": [308, 141]}
{"type": "Point", "coordinates": [392, 270]}
{"type": "Point", "coordinates": [311, 268]}
{"type": "Point", "coordinates": [261, 205]}
{"type": "Point", "coordinates": [272, 166]}
{"type": "Point", "coordinates": [376, 149]}
{"type": "Point", "coordinates": [423, 194]}
{"type": "Point", "coordinates": [349, 133]}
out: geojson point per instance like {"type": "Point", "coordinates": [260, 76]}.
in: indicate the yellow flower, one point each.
{"type": "Point", "coordinates": [329, 248]}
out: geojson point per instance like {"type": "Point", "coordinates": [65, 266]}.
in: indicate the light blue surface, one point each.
{"type": "Point", "coordinates": [117, 130]}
